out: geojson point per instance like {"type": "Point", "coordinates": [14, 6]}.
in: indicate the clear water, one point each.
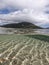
{"type": "Point", "coordinates": [11, 30]}
{"type": "Point", "coordinates": [44, 31]}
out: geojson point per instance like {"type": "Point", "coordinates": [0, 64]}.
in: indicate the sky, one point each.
{"type": "Point", "coordinates": [34, 11]}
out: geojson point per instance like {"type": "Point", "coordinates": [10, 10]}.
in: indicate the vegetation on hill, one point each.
{"type": "Point", "coordinates": [21, 25]}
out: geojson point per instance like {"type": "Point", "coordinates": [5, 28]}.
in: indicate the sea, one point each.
{"type": "Point", "coordinates": [11, 31]}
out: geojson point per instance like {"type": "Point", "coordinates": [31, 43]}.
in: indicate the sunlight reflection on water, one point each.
{"type": "Point", "coordinates": [11, 30]}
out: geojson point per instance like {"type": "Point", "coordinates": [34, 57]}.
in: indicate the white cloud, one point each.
{"type": "Point", "coordinates": [32, 4]}
{"type": "Point", "coordinates": [28, 10]}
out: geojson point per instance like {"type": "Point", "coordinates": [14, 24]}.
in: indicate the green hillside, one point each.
{"type": "Point", "coordinates": [21, 25]}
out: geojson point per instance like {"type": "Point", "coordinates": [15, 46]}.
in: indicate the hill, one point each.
{"type": "Point", "coordinates": [21, 25]}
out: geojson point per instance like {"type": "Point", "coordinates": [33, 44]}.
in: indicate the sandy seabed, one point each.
{"type": "Point", "coordinates": [23, 50]}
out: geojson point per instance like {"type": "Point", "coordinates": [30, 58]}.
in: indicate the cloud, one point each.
{"type": "Point", "coordinates": [34, 11]}
{"type": "Point", "coordinates": [32, 4]}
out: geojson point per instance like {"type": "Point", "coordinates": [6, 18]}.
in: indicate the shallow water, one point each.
{"type": "Point", "coordinates": [12, 30]}
{"type": "Point", "coordinates": [45, 31]}
{"type": "Point", "coordinates": [24, 50]}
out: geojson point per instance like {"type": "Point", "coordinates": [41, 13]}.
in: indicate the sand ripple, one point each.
{"type": "Point", "coordinates": [27, 51]}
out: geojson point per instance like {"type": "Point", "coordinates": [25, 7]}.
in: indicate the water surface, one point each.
{"type": "Point", "coordinates": [12, 30]}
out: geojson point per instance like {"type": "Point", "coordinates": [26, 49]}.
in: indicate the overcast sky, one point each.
{"type": "Point", "coordinates": [35, 11]}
